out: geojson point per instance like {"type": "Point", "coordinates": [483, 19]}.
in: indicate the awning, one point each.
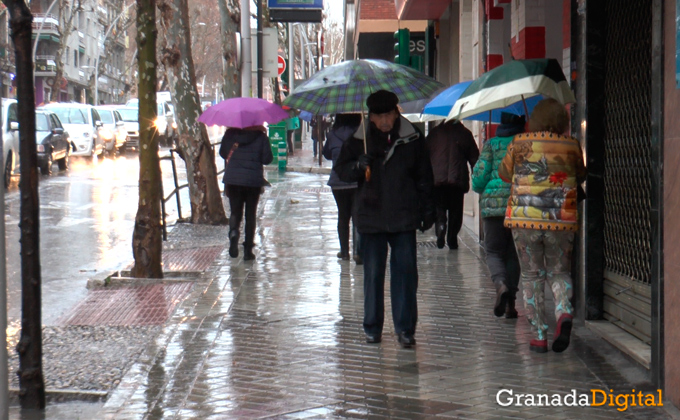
{"type": "Point", "coordinates": [421, 9]}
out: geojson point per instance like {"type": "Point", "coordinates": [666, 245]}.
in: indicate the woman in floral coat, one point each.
{"type": "Point", "coordinates": [545, 168]}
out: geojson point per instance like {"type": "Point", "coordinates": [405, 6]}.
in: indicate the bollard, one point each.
{"type": "Point", "coordinates": [283, 158]}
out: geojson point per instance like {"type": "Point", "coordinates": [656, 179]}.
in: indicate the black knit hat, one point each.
{"type": "Point", "coordinates": [381, 102]}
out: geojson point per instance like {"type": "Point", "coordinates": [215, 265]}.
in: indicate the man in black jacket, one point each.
{"type": "Point", "coordinates": [452, 148]}
{"type": "Point", "coordinates": [395, 180]}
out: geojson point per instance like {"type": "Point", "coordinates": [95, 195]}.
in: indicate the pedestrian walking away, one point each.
{"type": "Point", "coordinates": [392, 203]}
{"type": "Point", "coordinates": [545, 168]}
{"type": "Point", "coordinates": [501, 257]}
{"type": "Point", "coordinates": [344, 192]}
{"type": "Point", "coordinates": [452, 148]}
{"type": "Point", "coordinates": [245, 151]}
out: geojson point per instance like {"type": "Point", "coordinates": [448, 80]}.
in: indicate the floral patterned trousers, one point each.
{"type": "Point", "coordinates": [544, 255]}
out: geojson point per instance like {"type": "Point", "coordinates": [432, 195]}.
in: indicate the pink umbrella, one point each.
{"type": "Point", "coordinates": [242, 113]}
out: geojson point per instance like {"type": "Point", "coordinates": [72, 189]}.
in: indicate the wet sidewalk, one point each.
{"type": "Point", "coordinates": [281, 337]}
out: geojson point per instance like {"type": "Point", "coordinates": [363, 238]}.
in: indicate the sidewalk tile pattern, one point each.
{"type": "Point", "coordinates": [128, 305]}
{"type": "Point", "coordinates": [196, 260]}
{"type": "Point", "coordinates": [281, 337]}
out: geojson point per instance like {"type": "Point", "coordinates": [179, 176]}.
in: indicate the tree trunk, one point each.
{"type": "Point", "coordinates": [31, 381]}
{"type": "Point", "coordinates": [204, 191]}
{"type": "Point", "coordinates": [230, 19]}
{"type": "Point", "coordinates": [146, 239]}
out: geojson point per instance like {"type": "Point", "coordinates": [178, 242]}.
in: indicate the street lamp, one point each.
{"type": "Point", "coordinates": [96, 61]}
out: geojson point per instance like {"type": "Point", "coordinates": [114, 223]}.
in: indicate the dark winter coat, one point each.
{"type": "Point", "coordinates": [331, 151]}
{"type": "Point", "coordinates": [398, 196]}
{"type": "Point", "coordinates": [245, 167]}
{"type": "Point", "coordinates": [452, 147]}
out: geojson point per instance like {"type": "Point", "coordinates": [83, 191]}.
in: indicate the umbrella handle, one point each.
{"type": "Point", "coordinates": [368, 173]}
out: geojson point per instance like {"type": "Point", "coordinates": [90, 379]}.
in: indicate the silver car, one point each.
{"type": "Point", "coordinates": [130, 117]}
{"type": "Point", "coordinates": [113, 132]}
{"type": "Point", "coordinates": [84, 125]}
{"type": "Point", "coordinates": [10, 137]}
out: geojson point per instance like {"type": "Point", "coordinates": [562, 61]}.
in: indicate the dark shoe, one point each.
{"type": "Point", "coordinates": [343, 255]}
{"type": "Point", "coordinates": [373, 338]}
{"type": "Point", "coordinates": [510, 311]}
{"type": "Point", "coordinates": [454, 246]}
{"type": "Point", "coordinates": [502, 297]}
{"type": "Point", "coordinates": [440, 230]}
{"type": "Point", "coordinates": [358, 259]}
{"type": "Point", "coordinates": [406, 340]}
{"type": "Point", "coordinates": [539, 346]}
{"type": "Point", "coordinates": [562, 333]}
{"type": "Point", "coordinates": [248, 253]}
{"type": "Point", "coordinates": [233, 243]}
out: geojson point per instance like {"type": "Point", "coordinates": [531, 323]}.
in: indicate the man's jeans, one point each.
{"type": "Point", "coordinates": [403, 281]}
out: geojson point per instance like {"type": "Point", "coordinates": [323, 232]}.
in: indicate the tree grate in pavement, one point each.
{"type": "Point", "coordinates": [192, 259]}
{"type": "Point", "coordinates": [427, 244]}
{"type": "Point", "coordinates": [128, 305]}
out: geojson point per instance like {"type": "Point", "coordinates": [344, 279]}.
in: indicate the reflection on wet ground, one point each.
{"type": "Point", "coordinates": [281, 337]}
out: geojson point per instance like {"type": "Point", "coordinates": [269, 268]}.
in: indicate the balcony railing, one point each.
{"type": "Point", "coordinates": [50, 25]}
{"type": "Point", "coordinates": [45, 63]}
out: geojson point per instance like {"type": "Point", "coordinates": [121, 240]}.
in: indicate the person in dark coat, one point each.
{"type": "Point", "coordinates": [245, 152]}
{"type": "Point", "coordinates": [344, 127]}
{"type": "Point", "coordinates": [452, 148]}
{"type": "Point", "coordinates": [392, 203]}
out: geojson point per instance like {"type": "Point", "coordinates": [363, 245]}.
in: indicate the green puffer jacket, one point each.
{"type": "Point", "coordinates": [485, 180]}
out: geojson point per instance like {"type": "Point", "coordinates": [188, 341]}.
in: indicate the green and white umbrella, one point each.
{"type": "Point", "coordinates": [510, 83]}
{"type": "Point", "coordinates": [344, 87]}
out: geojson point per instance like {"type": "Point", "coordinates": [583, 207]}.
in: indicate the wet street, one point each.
{"type": "Point", "coordinates": [86, 221]}
{"type": "Point", "coordinates": [281, 336]}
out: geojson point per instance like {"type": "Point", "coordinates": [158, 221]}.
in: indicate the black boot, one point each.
{"type": "Point", "coordinates": [233, 243]}
{"type": "Point", "coordinates": [502, 296]}
{"type": "Point", "coordinates": [440, 231]}
{"type": "Point", "coordinates": [510, 311]}
{"type": "Point", "coordinates": [248, 253]}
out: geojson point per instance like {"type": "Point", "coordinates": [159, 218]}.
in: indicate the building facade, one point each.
{"type": "Point", "coordinates": [95, 35]}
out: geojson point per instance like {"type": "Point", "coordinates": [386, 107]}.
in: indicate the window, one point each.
{"type": "Point", "coordinates": [12, 113]}
{"type": "Point", "coordinates": [106, 117]}
{"type": "Point", "coordinates": [55, 121]}
{"type": "Point", "coordinates": [41, 123]}
{"type": "Point", "coordinates": [75, 58]}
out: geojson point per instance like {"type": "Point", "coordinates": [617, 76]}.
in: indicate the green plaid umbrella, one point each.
{"type": "Point", "coordinates": [344, 87]}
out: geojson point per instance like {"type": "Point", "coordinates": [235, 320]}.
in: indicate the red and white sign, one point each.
{"type": "Point", "coordinates": [282, 65]}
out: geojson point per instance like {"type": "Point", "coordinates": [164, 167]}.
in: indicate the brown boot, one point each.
{"type": "Point", "coordinates": [510, 311]}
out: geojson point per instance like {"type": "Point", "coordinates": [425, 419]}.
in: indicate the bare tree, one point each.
{"type": "Point", "coordinates": [194, 144]}
{"type": "Point", "coordinates": [230, 20]}
{"type": "Point", "coordinates": [31, 381]}
{"type": "Point", "coordinates": [68, 12]}
{"type": "Point", "coordinates": [146, 238]}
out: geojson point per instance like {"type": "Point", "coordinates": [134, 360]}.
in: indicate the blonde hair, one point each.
{"type": "Point", "coordinates": [549, 115]}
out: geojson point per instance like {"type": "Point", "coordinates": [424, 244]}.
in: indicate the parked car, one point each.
{"type": "Point", "coordinates": [165, 117]}
{"type": "Point", "coordinates": [10, 137]}
{"type": "Point", "coordinates": [84, 124]}
{"type": "Point", "coordinates": [52, 141]}
{"type": "Point", "coordinates": [130, 117]}
{"type": "Point", "coordinates": [114, 133]}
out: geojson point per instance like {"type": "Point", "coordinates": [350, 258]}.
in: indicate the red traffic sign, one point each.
{"type": "Point", "coordinates": [282, 65]}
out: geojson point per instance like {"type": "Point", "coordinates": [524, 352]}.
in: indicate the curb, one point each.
{"type": "Point", "coordinates": [122, 278]}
